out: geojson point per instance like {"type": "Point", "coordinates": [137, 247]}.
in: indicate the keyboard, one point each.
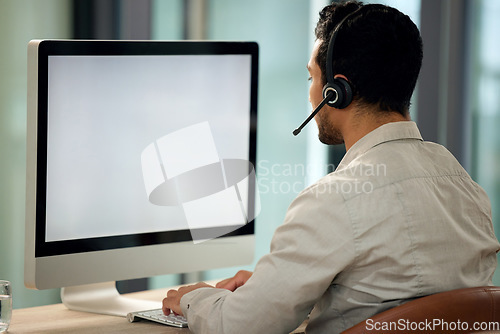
{"type": "Point", "coordinates": [158, 316]}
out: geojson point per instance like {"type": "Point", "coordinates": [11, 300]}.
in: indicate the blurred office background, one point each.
{"type": "Point", "coordinates": [457, 102]}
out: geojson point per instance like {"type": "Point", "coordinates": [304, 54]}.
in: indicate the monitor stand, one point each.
{"type": "Point", "coordinates": [103, 298]}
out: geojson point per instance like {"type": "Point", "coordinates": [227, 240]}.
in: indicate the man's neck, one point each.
{"type": "Point", "coordinates": [359, 126]}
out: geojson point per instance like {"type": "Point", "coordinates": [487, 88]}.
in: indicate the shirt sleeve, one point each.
{"type": "Point", "coordinates": [313, 245]}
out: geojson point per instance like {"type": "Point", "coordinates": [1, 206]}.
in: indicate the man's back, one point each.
{"type": "Point", "coordinates": [420, 225]}
{"type": "Point", "coordinates": [397, 220]}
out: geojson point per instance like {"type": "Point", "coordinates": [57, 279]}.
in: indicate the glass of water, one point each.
{"type": "Point", "coordinates": [5, 305]}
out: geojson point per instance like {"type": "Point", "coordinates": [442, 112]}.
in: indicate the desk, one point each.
{"type": "Point", "coordinates": [58, 319]}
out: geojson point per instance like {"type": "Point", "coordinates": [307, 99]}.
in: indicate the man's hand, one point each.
{"type": "Point", "coordinates": [173, 300]}
{"type": "Point", "coordinates": [235, 282]}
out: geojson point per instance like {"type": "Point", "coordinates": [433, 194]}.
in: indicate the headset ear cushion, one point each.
{"type": "Point", "coordinates": [347, 92]}
{"type": "Point", "coordinates": [343, 93]}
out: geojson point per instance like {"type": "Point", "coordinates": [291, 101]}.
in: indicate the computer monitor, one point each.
{"type": "Point", "coordinates": [140, 162]}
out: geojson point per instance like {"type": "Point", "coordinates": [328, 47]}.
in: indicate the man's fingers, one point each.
{"type": "Point", "coordinates": [235, 282]}
{"type": "Point", "coordinates": [171, 293]}
{"type": "Point", "coordinates": [230, 284]}
{"type": "Point", "coordinates": [165, 308]}
{"type": "Point", "coordinates": [222, 284]}
{"type": "Point", "coordinates": [172, 303]}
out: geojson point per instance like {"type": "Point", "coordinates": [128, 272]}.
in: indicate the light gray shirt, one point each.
{"type": "Point", "coordinates": [398, 219]}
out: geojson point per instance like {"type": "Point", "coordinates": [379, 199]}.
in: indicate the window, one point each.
{"type": "Point", "coordinates": [485, 101]}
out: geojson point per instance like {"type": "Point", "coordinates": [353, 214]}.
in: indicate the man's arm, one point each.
{"type": "Point", "coordinates": [313, 245]}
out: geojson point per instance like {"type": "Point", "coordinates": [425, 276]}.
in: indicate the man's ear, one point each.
{"type": "Point", "coordinates": [341, 76]}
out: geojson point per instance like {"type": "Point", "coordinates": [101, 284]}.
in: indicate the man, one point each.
{"type": "Point", "coordinates": [398, 219]}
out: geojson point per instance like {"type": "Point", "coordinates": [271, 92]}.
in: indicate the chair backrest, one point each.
{"type": "Point", "coordinates": [468, 310]}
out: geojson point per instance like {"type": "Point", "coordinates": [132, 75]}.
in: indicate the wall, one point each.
{"type": "Point", "coordinates": [20, 21]}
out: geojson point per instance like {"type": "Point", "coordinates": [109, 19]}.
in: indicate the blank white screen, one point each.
{"type": "Point", "coordinates": [103, 111]}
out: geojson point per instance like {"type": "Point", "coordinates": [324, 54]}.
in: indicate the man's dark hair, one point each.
{"type": "Point", "coordinates": [379, 50]}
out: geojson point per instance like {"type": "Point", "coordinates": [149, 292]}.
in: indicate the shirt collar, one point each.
{"type": "Point", "coordinates": [382, 134]}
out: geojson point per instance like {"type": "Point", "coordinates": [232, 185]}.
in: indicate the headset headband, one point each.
{"type": "Point", "coordinates": [329, 54]}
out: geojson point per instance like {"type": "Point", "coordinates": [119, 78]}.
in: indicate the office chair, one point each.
{"type": "Point", "coordinates": [470, 306]}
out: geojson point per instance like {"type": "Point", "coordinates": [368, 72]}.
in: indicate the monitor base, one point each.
{"type": "Point", "coordinates": [103, 298]}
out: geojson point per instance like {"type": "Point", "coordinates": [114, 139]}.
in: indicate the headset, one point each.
{"type": "Point", "coordinates": [337, 92]}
